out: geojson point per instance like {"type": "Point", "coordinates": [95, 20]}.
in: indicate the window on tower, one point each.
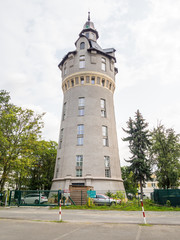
{"type": "Point", "coordinates": [64, 112]}
{"type": "Point", "coordinates": [78, 172]}
{"type": "Point", "coordinates": [82, 45]}
{"type": "Point", "coordinates": [80, 129]}
{"type": "Point", "coordinates": [103, 64]}
{"type": "Point", "coordinates": [103, 107]}
{"type": "Point", "coordinates": [79, 164]}
{"type": "Point", "coordinates": [80, 134]}
{"type": "Point", "coordinates": [92, 80]}
{"type": "Point", "coordinates": [81, 106]}
{"type": "Point", "coordinates": [61, 138]}
{"type": "Point", "coordinates": [105, 135]}
{"type": "Point", "coordinates": [107, 173]}
{"type": "Point", "coordinates": [82, 80]}
{"type": "Point", "coordinates": [79, 160]}
{"type": "Point", "coordinates": [82, 61]}
{"type": "Point", "coordinates": [80, 141]}
{"type": "Point", "coordinates": [65, 68]}
{"type": "Point", "coordinates": [107, 166]}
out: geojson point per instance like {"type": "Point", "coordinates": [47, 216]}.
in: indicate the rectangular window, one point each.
{"type": "Point", "coordinates": [61, 138]}
{"type": "Point", "coordinates": [92, 80]}
{"type": "Point", "coordinates": [82, 61]}
{"type": "Point", "coordinates": [81, 105]}
{"type": "Point", "coordinates": [80, 141]}
{"type": "Point", "coordinates": [82, 80]}
{"type": "Point", "coordinates": [78, 172]}
{"type": "Point", "coordinates": [107, 166]}
{"type": "Point", "coordinates": [103, 107]}
{"type": "Point", "coordinates": [105, 142]}
{"type": "Point", "coordinates": [81, 111]}
{"type": "Point", "coordinates": [103, 64]}
{"type": "Point", "coordinates": [80, 129]}
{"type": "Point", "coordinates": [107, 161]}
{"type": "Point", "coordinates": [104, 131]}
{"type": "Point", "coordinates": [80, 134]}
{"type": "Point", "coordinates": [81, 102]}
{"type": "Point", "coordinates": [105, 135]}
{"type": "Point", "coordinates": [107, 173]}
{"type": "Point", "coordinates": [79, 161]}
{"type": "Point", "coordinates": [64, 112]}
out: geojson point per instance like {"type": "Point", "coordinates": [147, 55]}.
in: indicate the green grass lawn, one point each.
{"type": "Point", "coordinates": [129, 206]}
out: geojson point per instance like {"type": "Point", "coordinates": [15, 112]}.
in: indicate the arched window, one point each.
{"type": "Point", "coordinates": [82, 45]}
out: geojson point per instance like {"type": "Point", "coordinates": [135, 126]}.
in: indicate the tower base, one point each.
{"type": "Point", "coordinates": [100, 185]}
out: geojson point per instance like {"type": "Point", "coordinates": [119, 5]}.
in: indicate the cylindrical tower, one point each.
{"type": "Point", "coordinates": [87, 153]}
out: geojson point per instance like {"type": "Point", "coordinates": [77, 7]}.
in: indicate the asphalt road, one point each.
{"type": "Point", "coordinates": [37, 223]}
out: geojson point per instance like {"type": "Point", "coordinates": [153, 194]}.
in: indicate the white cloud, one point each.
{"type": "Point", "coordinates": [36, 34]}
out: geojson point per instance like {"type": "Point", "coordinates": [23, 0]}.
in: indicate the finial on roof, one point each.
{"type": "Point", "coordinates": [88, 16]}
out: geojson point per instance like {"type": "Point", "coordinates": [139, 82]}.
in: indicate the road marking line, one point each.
{"type": "Point", "coordinates": [66, 234]}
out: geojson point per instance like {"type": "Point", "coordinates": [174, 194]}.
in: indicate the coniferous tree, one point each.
{"type": "Point", "coordinates": [138, 138]}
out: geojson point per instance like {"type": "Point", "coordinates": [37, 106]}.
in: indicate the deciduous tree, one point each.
{"type": "Point", "coordinates": [165, 152]}
{"type": "Point", "coordinates": [19, 129]}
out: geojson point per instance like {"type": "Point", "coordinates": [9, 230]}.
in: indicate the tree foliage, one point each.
{"type": "Point", "coordinates": [129, 184]}
{"type": "Point", "coordinates": [138, 138]}
{"type": "Point", "coordinates": [19, 129]}
{"type": "Point", "coordinates": [165, 153]}
{"type": "Point", "coordinates": [42, 170]}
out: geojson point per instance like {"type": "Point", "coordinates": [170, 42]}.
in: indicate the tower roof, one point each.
{"type": "Point", "coordinates": [89, 26]}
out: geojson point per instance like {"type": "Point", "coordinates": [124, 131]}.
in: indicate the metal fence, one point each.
{"type": "Point", "coordinates": [73, 196]}
{"type": "Point", "coordinates": [34, 198]}
{"type": "Point", "coordinates": [161, 196]}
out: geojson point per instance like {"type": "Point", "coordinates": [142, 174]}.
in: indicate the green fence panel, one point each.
{"type": "Point", "coordinates": [162, 195]}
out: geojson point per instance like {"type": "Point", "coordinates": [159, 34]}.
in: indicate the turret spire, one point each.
{"type": "Point", "coordinates": [89, 16]}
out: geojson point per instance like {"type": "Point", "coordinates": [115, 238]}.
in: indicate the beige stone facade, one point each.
{"type": "Point", "coordinates": [88, 150]}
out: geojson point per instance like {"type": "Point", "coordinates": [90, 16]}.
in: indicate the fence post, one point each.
{"type": "Point", "coordinates": [81, 197]}
{"type": "Point", "coordinates": [5, 203]}
{"type": "Point", "coordinates": [143, 211]}
{"type": "Point", "coordinates": [10, 198]}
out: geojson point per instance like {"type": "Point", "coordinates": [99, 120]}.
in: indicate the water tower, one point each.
{"type": "Point", "coordinates": [87, 152]}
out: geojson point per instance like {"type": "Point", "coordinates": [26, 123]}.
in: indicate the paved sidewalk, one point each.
{"type": "Point", "coordinates": [90, 216]}
{"type": "Point", "coordinates": [38, 223]}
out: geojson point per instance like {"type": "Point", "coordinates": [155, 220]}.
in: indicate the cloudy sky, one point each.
{"type": "Point", "coordinates": [36, 34]}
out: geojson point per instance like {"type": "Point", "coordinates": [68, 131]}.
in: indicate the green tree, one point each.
{"type": "Point", "coordinates": [165, 152]}
{"type": "Point", "coordinates": [138, 138]}
{"type": "Point", "coordinates": [129, 184]}
{"type": "Point", "coordinates": [42, 169]}
{"type": "Point", "coordinates": [19, 129]}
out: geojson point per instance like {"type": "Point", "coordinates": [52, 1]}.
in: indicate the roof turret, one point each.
{"type": "Point", "coordinates": [89, 28]}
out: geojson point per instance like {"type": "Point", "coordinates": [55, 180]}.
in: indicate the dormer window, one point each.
{"type": "Point", "coordinates": [82, 45]}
